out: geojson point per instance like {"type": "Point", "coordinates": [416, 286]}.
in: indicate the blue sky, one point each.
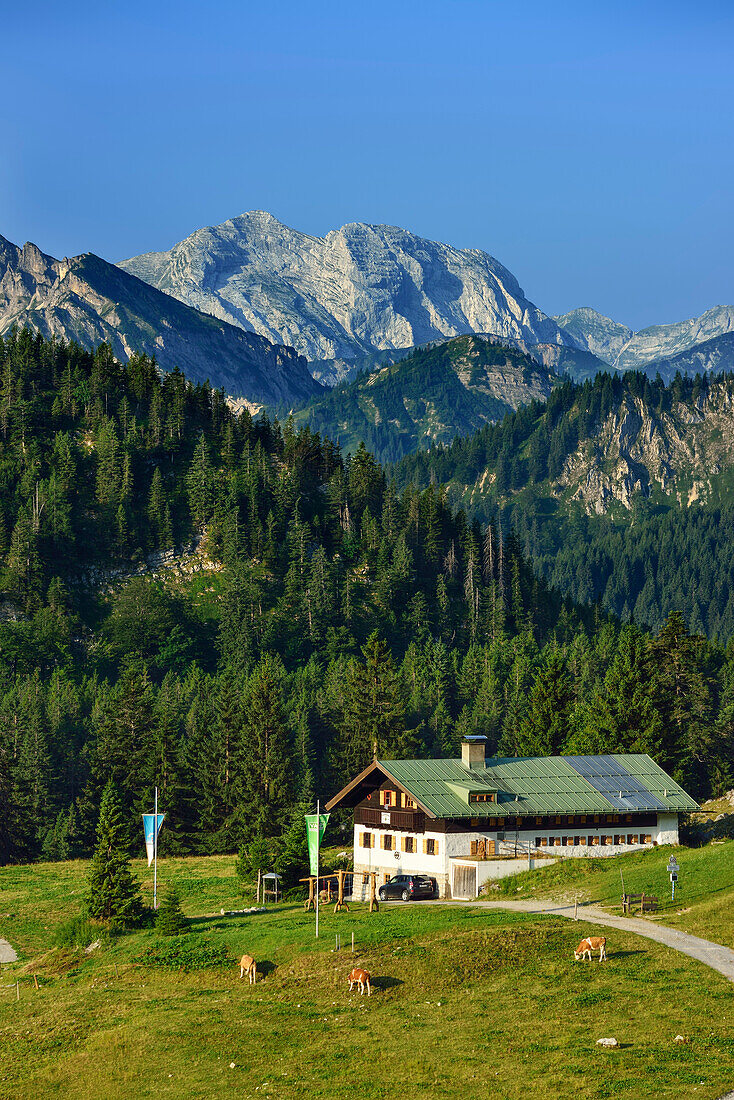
{"type": "Point", "coordinates": [586, 146]}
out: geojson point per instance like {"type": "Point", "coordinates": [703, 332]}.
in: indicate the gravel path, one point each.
{"type": "Point", "coordinates": [7, 955]}
{"type": "Point", "coordinates": [715, 955]}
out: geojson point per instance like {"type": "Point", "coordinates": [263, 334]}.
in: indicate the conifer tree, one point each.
{"type": "Point", "coordinates": [374, 709]}
{"type": "Point", "coordinates": [265, 772]}
{"type": "Point", "coordinates": [113, 894]}
{"type": "Point", "coordinates": [170, 919]}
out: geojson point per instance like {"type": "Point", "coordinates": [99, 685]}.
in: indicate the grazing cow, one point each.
{"type": "Point", "coordinates": [591, 943]}
{"type": "Point", "coordinates": [248, 966]}
{"type": "Point", "coordinates": [360, 978]}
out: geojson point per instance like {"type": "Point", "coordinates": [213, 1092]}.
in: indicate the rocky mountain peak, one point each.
{"type": "Point", "coordinates": [359, 289]}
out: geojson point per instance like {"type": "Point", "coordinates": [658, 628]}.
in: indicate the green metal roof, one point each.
{"type": "Point", "coordinates": [542, 785]}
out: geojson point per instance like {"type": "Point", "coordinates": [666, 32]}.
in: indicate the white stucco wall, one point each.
{"type": "Point", "coordinates": [457, 845]}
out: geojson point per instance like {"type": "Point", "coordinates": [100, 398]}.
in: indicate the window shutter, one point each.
{"type": "Point", "coordinates": [425, 846]}
{"type": "Point", "coordinates": [473, 848]}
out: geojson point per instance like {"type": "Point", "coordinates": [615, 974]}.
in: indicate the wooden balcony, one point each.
{"type": "Point", "coordinates": [410, 821]}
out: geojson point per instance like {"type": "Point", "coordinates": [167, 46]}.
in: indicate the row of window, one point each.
{"type": "Point", "coordinates": [408, 844]}
{"type": "Point", "coordinates": [572, 841]}
{"type": "Point", "coordinates": [397, 799]}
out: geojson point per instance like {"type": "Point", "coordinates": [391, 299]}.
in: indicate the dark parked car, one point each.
{"type": "Point", "coordinates": [408, 887]}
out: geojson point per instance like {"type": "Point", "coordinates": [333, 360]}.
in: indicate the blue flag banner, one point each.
{"type": "Point", "coordinates": [151, 832]}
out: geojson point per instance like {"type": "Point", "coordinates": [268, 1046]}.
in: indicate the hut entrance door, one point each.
{"type": "Point", "coordinates": [464, 881]}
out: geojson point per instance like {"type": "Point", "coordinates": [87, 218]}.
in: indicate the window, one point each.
{"type": "Point", "coordinates": [593, 840]}
{"type": "Point", "coordinates": [596, 819]}
{"type": "Point", "coordinates": [430, 847]}
{"type": "Point", "coordinates": [407, 802]}
{"type": "Point", "coordinates": [608, 840]}
{"type": "Point", "coordinates": [387, 798]}
{"type": "Point", "coordinates": [367, 840]}
{"type": "Point", "coordinates": [537, 841]}
{"type": "Point", "coordinates": [582, 841]}
{"type": "Point", "coordinates": [556, 842]}
{"type": "Point", "coordinates": [387, 842]}
{"type": "Point", "coordinates": [544, 842]}
{"type": "Point", "coordinates": [647, 838]}
{"type": "Point", "coordinates": [408, 844]}
{"type": "Point", "coordinates": [539, 821]}
{"type": "Point", "coordinates": [558, 821]}
{"type": "Point", "coordinates": [482, 796]}
{"type": "Point", "coordinates": [568, 841]}
{"type": "Point", "coordinates": [582, 819]}
{"type": "Point", "coordinates": [474, 822]}
{"type": "Point", "coordinates": [632, 838]}
{"type": "Point", "coordinates": [386, 877]}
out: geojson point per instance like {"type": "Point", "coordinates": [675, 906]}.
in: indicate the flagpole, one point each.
{"type": "Point", "coordinates": [155, 853]}
{"type": "Point", "coordinates": [318, 837]}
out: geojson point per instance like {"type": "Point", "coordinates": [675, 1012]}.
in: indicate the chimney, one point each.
{"type": "Point", "coordinates": [473, 752]}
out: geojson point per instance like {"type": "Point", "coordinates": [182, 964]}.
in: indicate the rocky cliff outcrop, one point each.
{"type": "Point", "coordinates": [638, 451]}
{"type": "Point", "coordinates": [358, 289]}
{"type": "Point", "coordinates": [90, 301]}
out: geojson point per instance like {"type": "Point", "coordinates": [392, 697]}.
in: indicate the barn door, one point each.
{"type": "Point", "coordinates": [464, 881]}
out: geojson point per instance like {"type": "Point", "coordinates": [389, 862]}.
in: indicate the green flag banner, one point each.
{"type": "Point", "coordinates": [315, 829]}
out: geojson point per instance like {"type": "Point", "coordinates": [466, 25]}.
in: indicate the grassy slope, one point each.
{"type": "Point", "coordinates": [704, 897]}
{"type": "Point", "coordinates": [466, 1003]}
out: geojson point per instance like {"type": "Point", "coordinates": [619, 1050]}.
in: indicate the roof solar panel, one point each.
{"type": "Point", "coordinates": [610, 778]}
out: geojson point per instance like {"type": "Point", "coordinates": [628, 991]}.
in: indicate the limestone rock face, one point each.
{"type": "Point", "coordinates": [635, 451]}
{"type": "Point", "coordinates": [89, 300]}
{"type": "Point", "coordinates": [359, 289]}
{"type": "Point", "coordinates": [695, 342]}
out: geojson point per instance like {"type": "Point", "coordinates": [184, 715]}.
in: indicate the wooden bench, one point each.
{"type": "Point", "coordinates": [645, 903]}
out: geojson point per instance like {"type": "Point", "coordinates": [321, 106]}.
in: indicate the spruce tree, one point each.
{"type": "Point", "coordinates": [113, 894]}
{"type": "Point", "coordinates": [170, 919]}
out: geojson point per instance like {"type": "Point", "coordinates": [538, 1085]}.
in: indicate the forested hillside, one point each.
{"type": "Point", "coordinates": [619, 491]}
{"type": "Point", "coordinates": [331, 616]}
{"type": "Point", "coordinates": [432, 395]}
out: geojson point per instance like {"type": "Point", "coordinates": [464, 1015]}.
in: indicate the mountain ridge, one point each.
{"type": "Point", "coordinates": [623, 349]}
{"type": "Point", "coordinates": [88, 300]}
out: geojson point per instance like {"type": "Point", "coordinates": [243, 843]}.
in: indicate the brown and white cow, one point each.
{"type": "Point", "coordinates": [591, 943]}
{"type": "Point", "coordinates": [361, 978]}
{"type": "Point", "coordinates": [248, 966]}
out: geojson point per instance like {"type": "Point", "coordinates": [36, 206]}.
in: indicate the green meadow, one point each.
{"type": "Point", "coordinates": [466, 1002]}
